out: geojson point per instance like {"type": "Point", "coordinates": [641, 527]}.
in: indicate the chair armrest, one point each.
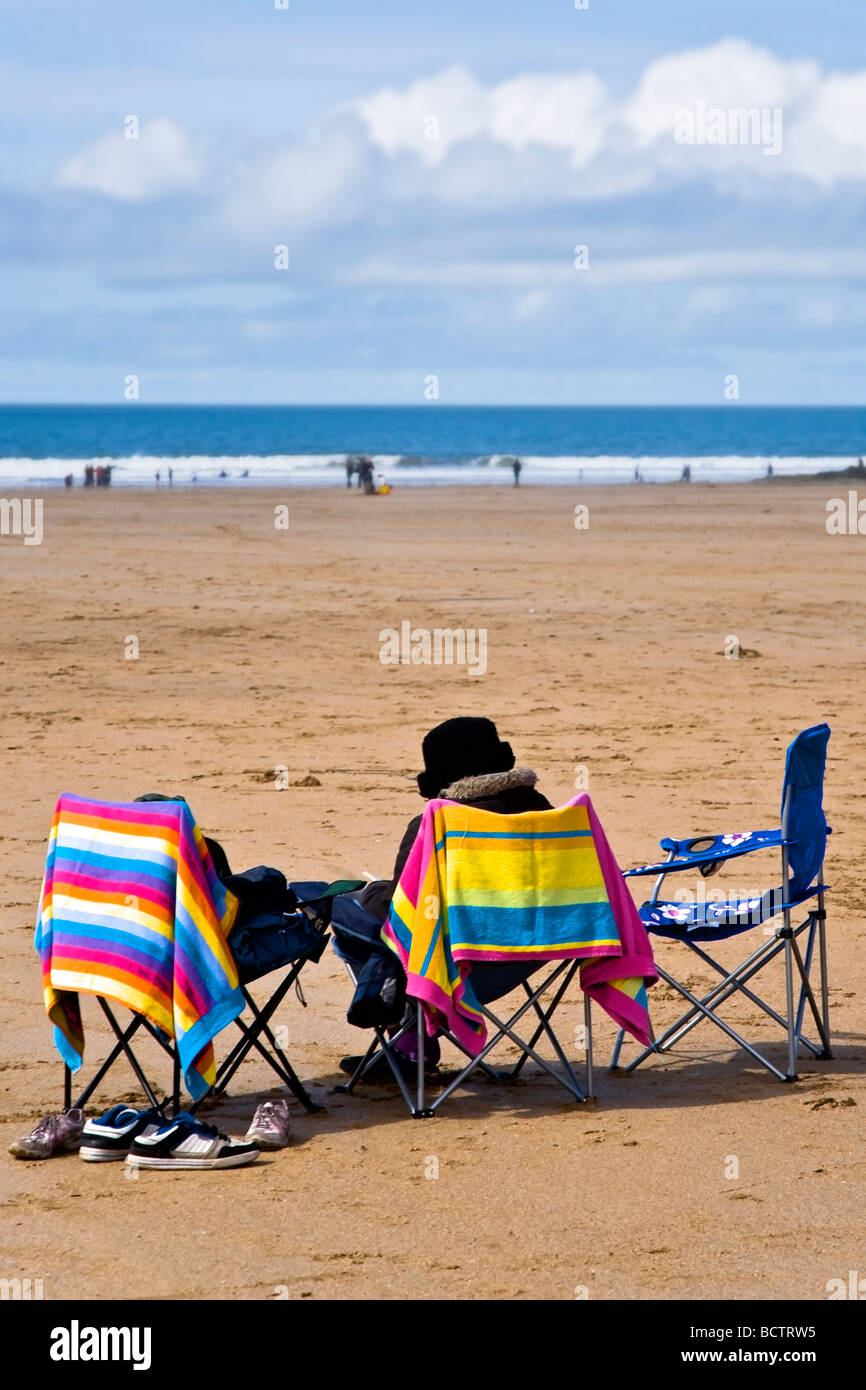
{"type": "Point", "coordinates": [699, 850]}
{"type": "Point", "coordinates": [335, 890]}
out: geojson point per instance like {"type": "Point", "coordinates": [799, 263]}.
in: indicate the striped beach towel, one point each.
{"type": "Point", "coordinates": [539, 886]}
{"type": "Point", "coordinates": [132, 909]}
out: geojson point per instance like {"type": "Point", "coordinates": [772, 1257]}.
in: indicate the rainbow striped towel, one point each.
{"type": "Point", "coordinates": [132, 909]}
{"type": "Point", "coordinates": [535, 887]}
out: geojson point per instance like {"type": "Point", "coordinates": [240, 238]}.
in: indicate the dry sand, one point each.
{"type": "Point", "coordinates": [259, 648]}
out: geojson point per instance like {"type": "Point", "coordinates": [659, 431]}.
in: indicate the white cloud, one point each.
{"type": "Point", "coordinates": [160, 161]}
{"type": "Point", "coordinates": [568, 113]}
{"type": "Point", "coordinates": [828, 142]}
{"type": "Point", "coordinates": [727, 74]}
{"type": "Point", "coordinates": [430, 117]}
{"type": "Point", "coordinates": [622, 146]}
{"type": "Point", "coordinates": [499, 195]}
{"type": "Point", "coordinates": [536, 139]}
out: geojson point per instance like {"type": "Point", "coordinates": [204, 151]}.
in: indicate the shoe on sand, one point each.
{"type": "Point", "coordinates": [185, 1142]}
{"type": "Point", "coordinates": [271, 1126]}
{"type": "Point", "coordinates": [380, 1074]}
{"type": "Point", "coordinates": [109, 1139]}
{"type": "Point", "coordinates": [53, 1134]}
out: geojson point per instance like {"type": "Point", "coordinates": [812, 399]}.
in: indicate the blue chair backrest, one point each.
{"type": "Point", "coordinates": [803, 821]}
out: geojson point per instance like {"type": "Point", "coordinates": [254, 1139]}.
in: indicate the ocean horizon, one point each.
{"type": "Point", "coordinates": [430, 444]}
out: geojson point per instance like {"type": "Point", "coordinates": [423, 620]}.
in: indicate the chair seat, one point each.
{"type": "Point", "coordinates": [714, 921]}
{"type": "Point", "coordinates": [492, 982]}
{"type": "Point", "coordinates": [272, 940]}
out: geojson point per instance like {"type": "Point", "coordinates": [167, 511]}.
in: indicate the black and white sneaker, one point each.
{"type": "Point", "coordinates": [185, 1142]}
{"type": "Point", "coordinates": [110, 1138]}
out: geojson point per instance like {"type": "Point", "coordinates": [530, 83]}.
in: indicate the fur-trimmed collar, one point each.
{"type": "Point", "coordinates": [489, 784]}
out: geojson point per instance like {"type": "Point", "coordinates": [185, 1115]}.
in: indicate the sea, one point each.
{"type": "Point", "coordinates": [424, 445]}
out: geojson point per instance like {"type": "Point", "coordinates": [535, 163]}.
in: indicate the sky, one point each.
{"type": "Point", "coordinates": [432, 171]}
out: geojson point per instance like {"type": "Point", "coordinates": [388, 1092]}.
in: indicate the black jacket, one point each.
{"type": "Point", "coordinates": [505, 801]}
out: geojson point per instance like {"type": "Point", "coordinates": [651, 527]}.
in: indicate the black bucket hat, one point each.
{"type": "Point", "coordinates": [462, 747]}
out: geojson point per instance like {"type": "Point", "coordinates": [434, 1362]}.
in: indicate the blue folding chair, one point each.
{"type": "Point", "coordinates": [801, 840]}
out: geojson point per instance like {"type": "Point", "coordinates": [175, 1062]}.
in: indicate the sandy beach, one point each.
{"type": "Point", "coordinates": [259, 648]}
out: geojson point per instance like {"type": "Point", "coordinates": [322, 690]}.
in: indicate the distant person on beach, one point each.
{"type": "Point", "coordinates": [515, 468]}
{"type": "Point", "coordinates": [88, 475]}
{"type": "Point", "coordinates": [769, 470]}
{"type": "Point", "coordinates": [69, 480]}
{"type": "Point", "coordinates": [157, 477]}
{"type": "Point", "coordinates": [100, 475]}
{"type": "Point", "coordinates": [365, 477]}
{"type": "Point", "coordinates": [861, 467]}
{"type": "Point", "coordinates": [637, 476]}
{"type": "Point", "coordinates": [464, 760]}
{"type": "Point", "coordinates": [687, 473]}
{"type": "Point", "coordinates": [170, 477]}
{"type": "Point", "coordinates": [350, 469]}
{"type": "Point", "coordinates": [106, 475]}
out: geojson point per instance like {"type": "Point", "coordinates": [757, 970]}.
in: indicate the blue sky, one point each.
{"type": "Point", "coordinates": [431, 168]}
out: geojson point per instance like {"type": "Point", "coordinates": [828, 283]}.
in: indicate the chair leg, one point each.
{"type": "Point", "coordinates": [789, 1001]}
{"type": "Point", "coordinates": [348, 1087]}
{"type": "Point", "coordinates": [825, 993]}
{"type": "Point", "coordinates": [250, 1037]}
{"type": "Point", "coordinates": [123, 1042]}
{"type": "Point", "coordinates": [587, 1019]}
{"type": "Point", "coordinates": [544, 1027]}
{"type": "Point", "coordinates": [421, 1112]}
{"type": "Point", "coordinates": [699, 1006]}
{"type": "Point", "coordinates": [736, 981]}
{"type": "Point", "coordinates": [571, 1084]}
{"type": "Point", "coordinates": [728, 985]}
{"type": "Point", "coordinates": [120, 1047]}
{"type": "Point", "coordinates": [544, 1015]}
{"type": "Point", "coordinates": [807, 995]}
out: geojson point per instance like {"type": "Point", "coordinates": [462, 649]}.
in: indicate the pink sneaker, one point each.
{"type": "Point", "coordinates": [53, 1134]}
{"type": "Point", "coordinates": [271, 1125]}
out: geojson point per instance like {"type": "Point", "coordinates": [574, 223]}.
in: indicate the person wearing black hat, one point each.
{"type": "Point", "coordinates": [464, 760]}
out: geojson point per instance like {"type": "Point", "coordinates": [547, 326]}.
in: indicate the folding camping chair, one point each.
{"type": "Point", "coordinates": [356, 935]}
{"type": "Point", "coordinates": [490, 983]}
{"type": "Point", "coordinates": [302, 938]}
{"type": "Point", "coordinates": [801, 840]}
